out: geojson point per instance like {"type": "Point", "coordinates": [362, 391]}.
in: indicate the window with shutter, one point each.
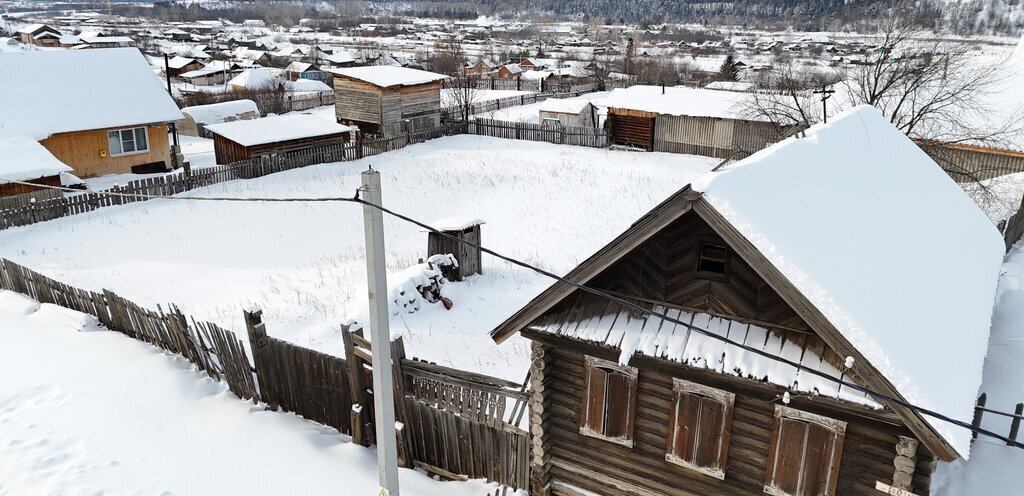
{"type": "Point", "coordinates": [699, 424]}
{"type": "Point", "coordinates": [804, 456]}
{"type": "Point", "coordinates": [609, 402]}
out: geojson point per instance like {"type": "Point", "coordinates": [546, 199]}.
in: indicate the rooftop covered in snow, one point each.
{"type": "Point", "coordinates": [24, 159]}
{"type": "Point", "coordinates": [388, 76]}
{"type": "Point", "coordinates": [276, 129]}
{"type": "Point", "coordinates": [48, 92]}
{"type": "Point", "coordinates": [679, 101]}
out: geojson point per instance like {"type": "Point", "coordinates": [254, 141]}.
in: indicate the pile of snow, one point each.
{"type": "Point", "coordinates": [878, 238]}
{"type": "Point", "coordinates": [219, 112]}
{"type": "Point", "coordinates": [387, 76]}
{"type": "Point", "coordinates": [47, 92]}
{"type": "Point", "coordinates": [88, 411]}
{"type": "Point", "coordinates": [276, 128]}
{"type": "Point", "coordinates": [422, 283]}
{"type": "Point", "coordinates": [24, 159]}
{"type": "Point", "coordinates": [308, 85]}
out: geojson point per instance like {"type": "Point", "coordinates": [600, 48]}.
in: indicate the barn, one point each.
{"type": "Point", "coordinates": [687, 120]}
{"type": "Point", "coordinates": [245, 139]}
{"type": "Point", "coordinates": [387, 100]}
{"type": "Point", "coordinates": [770, 280]}
{"type": "Point", "coordinates": [568, 112]}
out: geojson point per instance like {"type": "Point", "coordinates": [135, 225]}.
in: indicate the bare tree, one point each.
{"type": "Point", "coordinates": [784, 95]}
{"type": "Point", "coordinates": [464, 91]}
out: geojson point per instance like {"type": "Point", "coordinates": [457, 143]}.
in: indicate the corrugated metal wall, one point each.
{"type": "Point", "coordinates": [712, 137]}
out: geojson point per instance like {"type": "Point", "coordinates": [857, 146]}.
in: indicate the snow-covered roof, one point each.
{"type": "Point", "coordinates": [529, 75]}
{"type": "Point", "coordinates": [456, 223]}
{"type": "Point", "coordinates": [24, 159]}
{"type": "Point", "coordinates": [217, 112]}
{"type": "Point", "coordinates": [884, 244]}
{"type": "Point", "coordinates": [387, 76]}
{"type": "Point", "coordinates": [342, 57]}
{"type": "Point", "coordinates": [47, 92]}
{"type": "Point", "coordinates": [177, 62]}
{"type": "Point", "coordinates": [694, 102]}
{"type": "Point", "coordinates": [255, 78]}
{"type": "Point", "coordinates": [564, 105]}
{"type": "Point", "coordinates": [308, 85]}
{"type": "Point", "coordinates": [276, 128]}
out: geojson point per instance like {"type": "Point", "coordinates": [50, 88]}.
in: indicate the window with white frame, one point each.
{"type": "Point", "coordinates": [125, 141]}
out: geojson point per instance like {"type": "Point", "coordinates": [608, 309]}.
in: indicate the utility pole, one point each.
{"type": "Point", "coordinates": [383, 383]}
{"type": "Point", "coordinates": [825, 93]}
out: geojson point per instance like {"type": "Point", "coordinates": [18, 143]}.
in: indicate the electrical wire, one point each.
{"type": "Point", "coordinates": [591, 290]}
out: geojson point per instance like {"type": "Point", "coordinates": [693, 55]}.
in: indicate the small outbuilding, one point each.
{"type": "Point", "coordinates": [465, 230]}
{"type": "Point", "coordinates": [25, 160]}
{"type": "Point", "coordinates": [199, 116]}
{"type": "Point", "coordinates": [387, 100]}
{"type": "Point", "coordinates": [245, 139]}
{"type": "Point", "coordinates": [568, 112]}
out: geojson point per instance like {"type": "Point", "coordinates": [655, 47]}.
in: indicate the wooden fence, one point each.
{"type": "Point", "coordinates": [579, 136]}
{"type": "Point", "coordinates": [980, 409]}
{"type": "Point", "coordinates": [26, 210]}
{"type": "Point", "coordinates": [456, 112]}
{"type": "Point", "coordinates": [455, 423]}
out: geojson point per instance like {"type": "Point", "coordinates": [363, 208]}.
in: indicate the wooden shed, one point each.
{"type": "Point", "coordinates": [705, 122]}
{"type": "Point", "coordinates": [245, 139]}
{"type": "Point", "coordinates": [27, 161]}
{"type": "Point", "coordinates": [469, 258]}
{"type": "Point", "coordinates": [387, 100]}
{"type": "Point", "coordinates": [717, 391]}
{"type": "Point", "coordinates": [569, 112]}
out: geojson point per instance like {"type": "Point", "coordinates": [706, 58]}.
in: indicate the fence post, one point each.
{"type": "Point", "coordinates": [257, 342]}
{"type": "Point", "coordinates": [978, 412]}
{"type": "Point", "coordinates": [357, 417]}
{"type": "Point", "coordinates": [1015, 423]}
{"type": "Point", "coordinates": [405, 451]}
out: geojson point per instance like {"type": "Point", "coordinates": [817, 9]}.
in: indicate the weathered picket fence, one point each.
{"type": "Point", "coordinates": [579, 136]}
{"type": "Point", "coordinates": [981, 408]}
{"type": "Point", "coordinates": [455, 423]}
{"type": "Point", "coordinates": [459, 112]}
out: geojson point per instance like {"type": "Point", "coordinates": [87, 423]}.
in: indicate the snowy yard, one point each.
{"type": "Point", "coordinates": [549, 205]}
{"type": "Point", "coordinates": [449, 96]}
{"type": "Point", "coordinates": [94, 412]}
{"type": "Point", "coordinates": [531, 113]}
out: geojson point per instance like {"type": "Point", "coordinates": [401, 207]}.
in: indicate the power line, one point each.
{"type": "Point", "coordinates": [582, 287]}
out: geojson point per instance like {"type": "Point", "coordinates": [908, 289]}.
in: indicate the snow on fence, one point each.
{"type": "Point", "coordinates": [25, 210]}
{"type": "Point", "coordinates": [454, 423]}
{"type": "Point", "coordinates": [579, 136]}
{"type": "Point", "coordinates": [980, 409]}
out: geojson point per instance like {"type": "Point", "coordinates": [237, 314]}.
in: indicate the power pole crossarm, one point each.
{"type": "Point", "coordinates": [383, 382]}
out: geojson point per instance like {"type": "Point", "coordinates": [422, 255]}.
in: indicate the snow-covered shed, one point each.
{"type": "Point", "coordinates": [199, 116]}
{"type": "Point", "coordinates": [99, 111]}
{"type": "Point", "coordinates": [24, 159]}
{"type": "Point", "coordinates": [245, 139]}
{"type": "Point", "coordinates": [178, 65]}
{"type": "Point", "coordinates": [570, 112]}
{"type": "Point", "coordinates": [387, 100]}
{"type": "Point", "coordinates": [802, 298]}
{"type": "Point", "coordinates": [696, 121]}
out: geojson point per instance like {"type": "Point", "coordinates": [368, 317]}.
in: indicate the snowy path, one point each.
{"type": "Point", "coordinates": [993, 467]}
{"type": "Point", "coordinates": [87, 411]}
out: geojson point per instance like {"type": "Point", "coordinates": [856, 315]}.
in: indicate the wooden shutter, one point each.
{"type": "Point", "coordinates": [699, 425]}
{"type": "Point", "coordinates": [804, 455]}
{"type": "Point", "coordinates": [609, 401]}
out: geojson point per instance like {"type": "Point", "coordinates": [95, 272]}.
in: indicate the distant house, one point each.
{"type": "Point", "coordinates": [770, 280]}
{"type": "Point", "coordinates": [482, 66]}
{"type": "Point", "coordinates": [178, 35]}
{"type": "Point", "coordinates": [216, 72]}
{"type": "Point", "coordinates": [688, 120]}
{"type": "Point", "coordinates": [245, 139]}
{"type": "Point", "coordinates": [39, 35]}
{"type": "Point", "coordinates": [305, 70]}
{"type": "Point", "coordinates": [509, 71]}
{"type": "Point", "coordinates": [25, 160]}
{"type": "Point", "coordinates": [100, 41]}
{"type": "Point", "coordinates": [572, 112]}
{"type": "Point", "coordinates": [199, 116]}
{"type": "Point", "coordinates": [178, 65]}
{"type": "Point", "coordinates": [387, 100]}
{"type": "Point", "coordinates": [112, 119]}
{"type": "Point", "coordinates": [256, 78]}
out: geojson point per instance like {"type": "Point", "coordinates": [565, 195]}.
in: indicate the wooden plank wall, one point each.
{"type": "Point", "coordinates": [83, 149]}
{"type": "Point", "coordinates": [632, 128]}
{"type": "Point", "coordinates": [304, 381]}
{"type": "Point", "coordinates": [577, 136]}
{"type": "Point", "coordinates": [356, 100]}
{"type": "Point", "coordinates": [967, 164]}
{"type": "Point", "coordinates": [611, 469]}
{"type": "Point", "coordinates": [713, 137]}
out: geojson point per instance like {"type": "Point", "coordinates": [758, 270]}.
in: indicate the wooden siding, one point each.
{"type": "Point", "coordinates": [632, 128]}
{"type": "Point", "coordinates": [386, 110]}
{"type": "Point", "coordinates": [82, 151]}
{"type": "Point", "coordinates": [470, 259]}
{"type": "Point", "coordinates": [971, 163]}
{"type": "Point", "coordinates": [612, 469]}
{"type": "Point", "coordinates": [712, 137]}
{"type": "Point", "coordinates": [356, 101]}
{"type": "Point", "coordinates": [228, 151]}
{"type": "Point", "coordinates": [11, 189]}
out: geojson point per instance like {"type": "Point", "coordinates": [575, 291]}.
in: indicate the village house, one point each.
{"type": "Point", "coordinates": [198, 117]}
{"type": "Point", "coordinates": [688, 120]}
{"type": "Point", "coordinates": [246, 139]}
{"type": "Point", "coordinates": [770, 280]}
{"type": "Point", "coordinates": [178, 65]}
{"type": "Point", "coordinates": [74, 122]}
{"type": "Point", "coordinates": [387, 100]}
{"type": "Point", "coordinates": [39, 35]}
{"type": "Point", "coordinates": [509, 71]}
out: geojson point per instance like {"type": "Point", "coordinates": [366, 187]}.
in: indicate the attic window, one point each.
{"type": "Point", "coordinates": [712, 261]}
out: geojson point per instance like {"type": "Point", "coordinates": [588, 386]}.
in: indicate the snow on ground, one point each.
{"type": "Point", "coordinates": [994, 467]}
{"type": "Point", "coordinates": [531, 113]}
{"type": "Point", "coordinates": [448, 95]}
{"type": "Point", "coordinates": [88, 411]}
{"type": "Point", "coordinates": [198, 152]}
{"type": "Point", "coordinates": [549, 205]}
